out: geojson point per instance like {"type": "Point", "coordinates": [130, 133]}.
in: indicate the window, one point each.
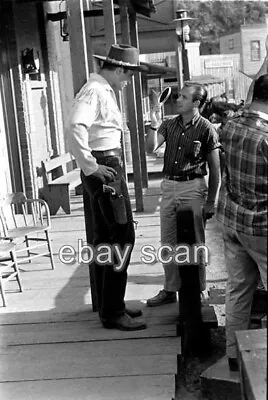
{"type": "Point", "coordinates": [255, 50]}
{"type": "Point", "coordinates": [231, 43]}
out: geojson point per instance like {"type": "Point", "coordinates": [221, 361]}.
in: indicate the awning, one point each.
{"type": "Point", "coordinates": [206, 79]}
{"type": "Point", "coordinates": [157, 69]}
{"type": "Point", "coordinates": [143, 7]}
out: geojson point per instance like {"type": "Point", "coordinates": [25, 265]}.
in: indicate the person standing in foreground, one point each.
{"type": "Point", "coordinates": [191, 143]}
{"type": "Point", "coordinates": [94, 133]}
{"type": "Point", "coordinates": [242, 211]}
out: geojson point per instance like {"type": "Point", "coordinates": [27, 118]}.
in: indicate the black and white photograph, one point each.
{"type": "Point", "coordinates": [133, 199]}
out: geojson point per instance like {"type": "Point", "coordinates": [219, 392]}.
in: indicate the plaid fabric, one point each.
{"type": "Point", "coordinates": [180, 157]}
{"type": "Point", "coordinates": [244, 191]}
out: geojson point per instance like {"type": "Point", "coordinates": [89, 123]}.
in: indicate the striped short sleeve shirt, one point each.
{"type": "Point", "coordinates": [243, 195]}
{"type": "Point", "coordinates": [182, 157]}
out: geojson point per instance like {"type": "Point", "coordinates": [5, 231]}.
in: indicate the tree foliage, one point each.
{"type": "Point", "coordinates": [215, 18]}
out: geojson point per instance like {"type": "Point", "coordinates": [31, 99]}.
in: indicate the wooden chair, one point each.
{"type": "Point", "coordinates": [26, 221]}
{"type": "Point", "coordinates": [8, 267]}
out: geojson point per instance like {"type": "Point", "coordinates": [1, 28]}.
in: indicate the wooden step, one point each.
{"type": "Point", "coordinates": [156, 387]}
{"type": "Point", "coordinates": [219, 383]}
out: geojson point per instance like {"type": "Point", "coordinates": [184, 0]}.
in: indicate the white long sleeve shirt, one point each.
{"type": "Point", "coordinates": [95, 122]}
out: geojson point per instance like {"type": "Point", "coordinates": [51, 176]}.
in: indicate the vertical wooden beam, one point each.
{"type": "Point", "coordinates": [87, 22]}
{"type": "Point", "coordinates": [110, 38]}
{"type": "Point", "coordinates": [124, 39]}
{"type": "Point", "coordinates": [132, 112]}
{"type": "Point", "coordinates": [109, 22]}
{"type": "Point", "coordinates": [78, 48]}
{"type": "Point", "coordinates": [132, 115]}
{"type": "Point", "coordinates": [138, 90]}
{"type": "Point", "coordinates": [80, 70]}
{"type": "Point", "coordinates": [179, 68]}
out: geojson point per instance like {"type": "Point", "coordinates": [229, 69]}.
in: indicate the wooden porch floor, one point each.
{"type": "Point", "coordinates": [52, 346]}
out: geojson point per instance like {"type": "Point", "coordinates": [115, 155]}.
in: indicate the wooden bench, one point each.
{"type": "Point", "coordinates": [60, 175]}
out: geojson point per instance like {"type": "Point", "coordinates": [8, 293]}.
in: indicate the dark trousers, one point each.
{"type": "Point", "coordinates": [101, 228]}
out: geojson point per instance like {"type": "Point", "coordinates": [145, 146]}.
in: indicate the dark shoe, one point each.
{"type": "Point", "coordinates": [163, 297]}
{"type": "Point", "coordinates": [233, 364]}
{"type": "Point", "coordinates": [125, 323]}
{"type": "Point", "coordinates": [133, 312]}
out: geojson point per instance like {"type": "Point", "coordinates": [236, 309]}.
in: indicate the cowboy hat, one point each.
{"type": "Point", "coordinates": [123, 55]}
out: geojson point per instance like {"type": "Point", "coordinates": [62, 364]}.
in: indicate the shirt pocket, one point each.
{"type": "Point", "coordinates": [194, 151]}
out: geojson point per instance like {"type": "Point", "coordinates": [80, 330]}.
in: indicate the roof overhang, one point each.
{"type": "Point", "coordinates": [154, 70]}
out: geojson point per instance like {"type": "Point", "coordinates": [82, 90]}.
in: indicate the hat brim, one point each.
{"type": "Point", "coordinates": [133, 67]}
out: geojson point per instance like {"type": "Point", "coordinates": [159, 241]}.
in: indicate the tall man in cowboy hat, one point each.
{"type": "Point", "coordinates": [94, 133]}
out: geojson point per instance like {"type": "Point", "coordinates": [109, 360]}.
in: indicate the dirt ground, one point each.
{"type": "Point", "coordinates": [189, 388]}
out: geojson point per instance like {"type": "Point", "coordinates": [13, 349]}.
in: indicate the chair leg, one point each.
{"type": "Point", "coordinates": [50, 249]}
{"type": "Point", "coordinates": [28, 251]}
{"type": "Point", "coordinates": [15, 265]}
{"type": "Point", "coordinates": [2, 292]}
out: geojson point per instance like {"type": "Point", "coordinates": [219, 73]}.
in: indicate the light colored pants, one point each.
{"type": "Point", "coordinates": [176, 196]}
{"type": "Point", "coordinates": [246, 262]}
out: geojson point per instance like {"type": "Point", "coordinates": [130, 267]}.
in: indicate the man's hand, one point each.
{"type": "Point", "coordinates": [155, 116]}
{"type": "Point", "coordinates": [105, 174]}
{"type": "Point", "coordinates": [209, 210]}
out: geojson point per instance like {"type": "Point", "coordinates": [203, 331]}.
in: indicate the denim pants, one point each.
{"type": "Point", "coordinates": [102, 229]}
{"type": "Point", "coordinates": [246, 261]}
{"type": "Point", "coordinates": [175, 196]}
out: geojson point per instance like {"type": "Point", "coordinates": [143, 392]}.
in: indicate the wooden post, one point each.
{"type": "Point", "coordinates": [89, 46]}
{"type": "Point", "coordinates": [179, 64]}
{"type": "Point", "coordinates": [125, 39]}
{"type": "Point", "coordinates": [76, 30]}
{"type": "Point", "coordinates": [132, 116]}
{"type": "Point", "coordinates": [80, 76]}
{"type": "Point", "coordinates": [109, 22]}
{"type": "Point", "coordinates": [193, 325]}
{"type": "Point", "coordinates": [190, 318]}
{"type": "Point", "coordinates": [138, 90]}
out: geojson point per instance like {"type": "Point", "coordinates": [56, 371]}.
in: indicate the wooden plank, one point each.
{"type": "Point", "coordinates": [161, 316]}
{"type": "Point", "coordinates": [72, 177]}
{"type": "Point", "coordinates": [75, 360]}
{"type": "Point", "coordinates": [76, 331]}
{"type": "Point", "coordinates": [252, 339]}
{"type": "Point", "coordinates": [254, 374]}
{"type": "Point", "coordinates": [103, 348]}
{"type": "Point", "coordinates": [157, 323]}
{"type": "Point", "coordinates": [57, 161]}
{"type": "Point", "coordinates": [151, 387]}
{"type": "Point", "coordinates": [249, 343]}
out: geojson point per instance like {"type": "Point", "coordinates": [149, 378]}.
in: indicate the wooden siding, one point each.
{"type": "Point", "coordinates": [224, 44]}
{"type": "Point", "coordinates": [228, 68]}
{"type": "Point", "coordinates": [242, 41]}
{"type": "Point", "coordinates": [247, 35]}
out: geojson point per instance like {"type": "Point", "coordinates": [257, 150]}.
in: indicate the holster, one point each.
{"type": "Point", "coordinates": [117, 201]}
{"type": "Point", "coordinates": [119, 208]}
